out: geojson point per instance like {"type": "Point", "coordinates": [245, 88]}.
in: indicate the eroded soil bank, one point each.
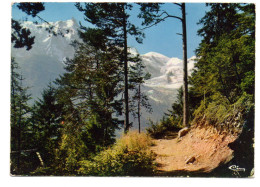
{"type": "Point", "coordinates": [200, 150]}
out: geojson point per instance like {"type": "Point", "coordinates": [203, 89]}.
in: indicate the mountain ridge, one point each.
{"type": "Point", "coordinates": [44, 63]}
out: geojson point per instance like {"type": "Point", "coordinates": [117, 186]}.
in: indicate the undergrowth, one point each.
{"type": "Point", "coordinates": [223, 115]}
{"type": "Point", "coordinates": [158, 130]}
{"type": "Point", "coordinates": [130, 156]}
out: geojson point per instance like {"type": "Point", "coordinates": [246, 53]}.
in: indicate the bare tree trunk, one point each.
{"type": "Point", "coordinates": [19, 144]}
{"type": "Point", "coordinates": [126, 123]}
{"type": "Point", "coordinates": [139, 107]}
{"type": "Point", "coordinates": [19, 136]}
{"type": "Point", "coordinates": [185, 70]}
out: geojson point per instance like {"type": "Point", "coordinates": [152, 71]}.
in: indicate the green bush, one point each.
{"type": "Point", "coordinates": [130, 156]}
{"type": "Point", "coordinates": [223, 115]}
{"type": "Point", "coordinates": [158, 130]}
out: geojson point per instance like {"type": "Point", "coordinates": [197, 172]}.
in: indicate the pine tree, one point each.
{"type": "Point", "coordinates": [47, 122]}
{"type": "Point", "coordinates": [226, 54]}
{"type": "Point", "coordinates": [90, 87]}
{"type": "Point", "coordinates": [19, 117]}
{"type": "Point", "coordinates": [21, 37]}
{"type": "Point", "coordinates": [225, 74]}
{"type": "Point", "coordinates": [113, 20]}
{"type": "Point", "coordinates": [137, 77]}
{"type": "Point", "coordinates": [88, 91]}
{"type": "Point", "coordinates": [152, 14]}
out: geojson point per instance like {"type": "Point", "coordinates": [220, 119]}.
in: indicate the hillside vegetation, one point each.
{"type": "Point", "coordinates": [71, 130]}
{"type": "Point", "coordinates": [222, 87]}
{"type": "Point", "coordinates": [130, 156]}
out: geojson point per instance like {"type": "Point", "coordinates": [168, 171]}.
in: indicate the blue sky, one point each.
{"type": "Point", "coordinates": [161, 38]}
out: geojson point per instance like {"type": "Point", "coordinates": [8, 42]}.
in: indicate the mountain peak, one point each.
{"type": "Point", "coordinates": [133, 51]}
{"type": "Point", "coordinates": [155, 54]}
{"type": "Point", "coordinates": [74, 20]}
{"type": "Point", "coordinates": [71, 22]}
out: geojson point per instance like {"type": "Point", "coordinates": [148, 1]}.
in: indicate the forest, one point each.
{"type": "Point", "coordinates": [70, 130]}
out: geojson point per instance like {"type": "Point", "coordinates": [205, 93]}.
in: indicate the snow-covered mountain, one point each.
{"type": "Point", "coordinates": [166, 72]}
{"type": "Point", "coordinates": [166, 79]}
{"type": "Point", "coordinates": [44, 63]}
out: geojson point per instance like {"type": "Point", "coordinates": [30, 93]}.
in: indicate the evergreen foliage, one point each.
{"type": "Point", "coordinates": [73, 125]}
{"type": "Point", "coordinates": [21, 37]}
{"type": "Point", "coordinates": [113, 20]}
{"type": "Point", "coordinates": [31, 9]}
{"type": "Point", "coordinates": [224, 76]}
{"type": "Point", "coordinates": [226, 58]}
{"type": "Point", "coordinates": [88, 91]}
{"type": "Point", "coordinates": [21, 132]}
{"type": "Point", "coordinates": [90, 88]}
{"type": "Point", "coordinates": [137, 77]}
{"type": "Point", "coordinates": [47, 122]}
{"type": "Point", "coordinates": [152, 14]}
{"type": "Point", "coordinates": [224, 72]}
{"type": "Point", "coordinates": [173, 119]}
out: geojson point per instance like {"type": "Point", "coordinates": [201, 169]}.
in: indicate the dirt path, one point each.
{"type": "Point", "coordinates": [200, 150]}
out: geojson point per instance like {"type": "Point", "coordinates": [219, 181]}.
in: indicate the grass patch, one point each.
{"type": "Point", "coordinates": [130, 156]}
{"type": "Point", "coordinates": [223, 115]}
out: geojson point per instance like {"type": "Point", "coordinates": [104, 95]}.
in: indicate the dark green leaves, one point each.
{"type": "Point", "coordinates": [31, 9]}
{"type": "Point", "coordinates": [226, 54]}
{"type": "Point", "coordinates": [21, 36]}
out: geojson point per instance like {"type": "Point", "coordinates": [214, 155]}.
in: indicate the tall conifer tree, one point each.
{"type": "Point", "coordinates": [113, 19]}
{"type": "Point", "coordinates": [153, 14]}
{"type": "Point", "coordinates": [47, 122]}
{"type": "Point", "coordinates": [19, 115]}
{"type": "Point", "coordinates": [226, 53]}
{"type": "Point", "coordinates": [137, 77]}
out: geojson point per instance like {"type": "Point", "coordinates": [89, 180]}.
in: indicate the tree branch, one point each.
{"type": "Point", "coordinates": [171, 16]}
{"type": "Point", "coordinates": [175, 17]}
{"type": "Point", "coordinates": [178, 4]}
{"type": "Point", "coordinates": [162, 19]}
{"type": "Point", "coordinates": [43, 20]}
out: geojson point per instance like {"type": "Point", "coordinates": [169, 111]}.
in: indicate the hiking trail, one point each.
{"type": "Point", "coordinates": [200, 150]}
